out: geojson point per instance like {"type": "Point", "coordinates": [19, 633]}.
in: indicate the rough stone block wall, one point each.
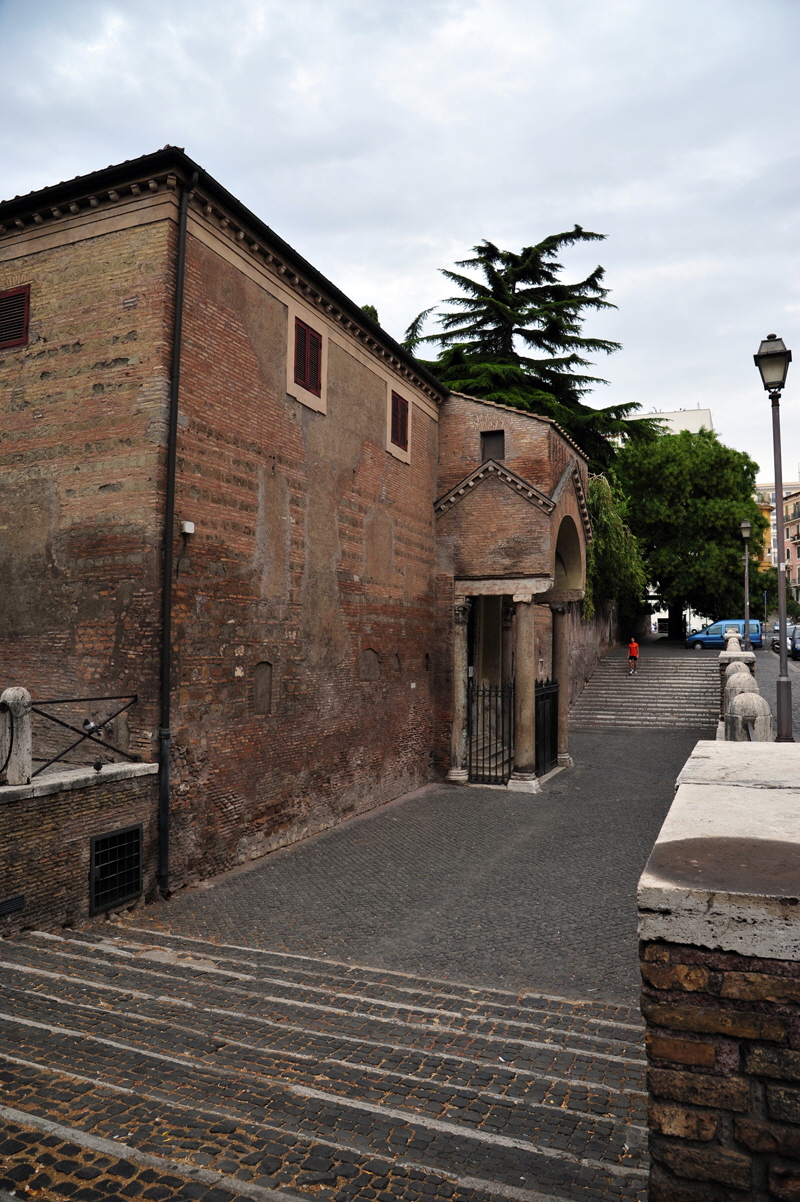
{"type": "Point", "coordinates": [82, 427]}
{"type": "Point", "coordinates": [723, 1050]}
{"type": "Point", "coordinates": [45, 845]}
{"type": "Point", "coordinates": [588, 641]}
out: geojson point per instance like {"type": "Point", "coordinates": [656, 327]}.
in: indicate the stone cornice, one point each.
{"type": "Point", "coordinates": [572, 472]}
{"type": "Point", "coordinates": [491, 468]}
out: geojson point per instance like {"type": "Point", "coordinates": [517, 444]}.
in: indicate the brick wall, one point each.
{"type": "Point", "coordinates": [723, 1049]}
{"type": "Point", "coordinates": [45, 843]}
{"type": "Point", "coordinates": [312, 553]}
{"type": "Point", "coordinates": [81, 436]}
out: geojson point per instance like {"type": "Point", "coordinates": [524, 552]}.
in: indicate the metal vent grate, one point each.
{"type": "Point", "coordinates": [116, 874]}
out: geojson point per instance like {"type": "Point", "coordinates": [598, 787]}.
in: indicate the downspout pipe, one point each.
{"type": "Point", "coordinates": [164, 733]}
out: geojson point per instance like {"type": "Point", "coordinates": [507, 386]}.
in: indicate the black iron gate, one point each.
{"type": "Point", "coordinates": [490, 733]}
{"type": "Point", "coordinates": [546, 726]}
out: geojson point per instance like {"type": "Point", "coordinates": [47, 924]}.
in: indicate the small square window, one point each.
{"type": "Point", "coordinates": [14, 309]}
{"type": "Point", "coordinates": [493, 445]}
{"type": "Point", "coordinates": [399, 433]}
{"type": "Point", "coordinates": [307, 357]}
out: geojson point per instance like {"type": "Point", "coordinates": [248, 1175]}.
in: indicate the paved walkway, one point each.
{"type": "Point", "coordinates": [472, 884]}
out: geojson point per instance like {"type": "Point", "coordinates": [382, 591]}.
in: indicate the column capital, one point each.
{"type": "Point", "coordinates": [461, 608]}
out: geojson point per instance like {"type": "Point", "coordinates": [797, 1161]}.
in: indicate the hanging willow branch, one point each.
{"type": "Point", "coordinates": [614, 567]}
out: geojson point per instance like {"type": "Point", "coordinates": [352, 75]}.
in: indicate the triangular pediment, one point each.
{"type": "Point", "coordinates": [492, 470]}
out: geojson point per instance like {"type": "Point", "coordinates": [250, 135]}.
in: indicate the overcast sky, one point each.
{"type": "Point", "coordinates": [384, 138]}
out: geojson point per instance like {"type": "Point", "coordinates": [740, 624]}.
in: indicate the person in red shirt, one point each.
{"type": "Point", "coordinates": [633, 657]}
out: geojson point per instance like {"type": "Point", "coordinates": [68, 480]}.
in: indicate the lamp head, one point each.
{"type": "Point", "coordinates": [746, 529]}
{"type": "Point", "coordinates": [773, 361]}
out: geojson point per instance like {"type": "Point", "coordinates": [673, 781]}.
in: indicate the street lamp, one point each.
{"type": "Point", "coordinates": [773, 361]}
{"type": "Point", "coordinates": [746, 529]}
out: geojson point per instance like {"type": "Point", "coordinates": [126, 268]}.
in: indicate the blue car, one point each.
{"type": "Point", "coordinates": [713, 636]}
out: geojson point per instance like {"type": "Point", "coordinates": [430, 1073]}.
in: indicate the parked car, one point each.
{"type": "Point", "coordinates": [713, 636]}
{"type": "Point", "coordinates": [792, 641]}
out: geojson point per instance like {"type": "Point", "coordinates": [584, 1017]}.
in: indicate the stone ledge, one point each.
{"type": "Point", "coordinates": [73, 778]}
{"type": "Point", "coordinates": [725, 869]}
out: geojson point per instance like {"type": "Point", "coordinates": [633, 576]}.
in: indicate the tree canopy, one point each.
{"type": "Point", "coordinates": [515, 336]}
{"type": "Point", "coordinates": [688, 494]}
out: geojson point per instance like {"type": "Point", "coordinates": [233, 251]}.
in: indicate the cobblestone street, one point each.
{"type": "Point", "coordinates": [471, 884]}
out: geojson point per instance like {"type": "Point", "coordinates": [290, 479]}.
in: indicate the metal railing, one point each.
{"type": "Point", "coordinates": [490, 733]}
{"type": "Point", "coordinates": [91, 732]}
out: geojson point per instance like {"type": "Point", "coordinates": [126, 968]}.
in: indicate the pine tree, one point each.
{"type": "Point", "coordinates": [515, 337]}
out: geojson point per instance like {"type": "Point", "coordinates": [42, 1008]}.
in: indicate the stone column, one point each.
{"type": "Point", "coordinates": [508, 642]}
{"type": "Point", "coordinates": [458, 733]}
{"type": "Point", "coordinates": [15, 736]}
{"type": "Point", "coordinates": [523, 778]}
{"type": "Point", "coordinates": [561, 674]}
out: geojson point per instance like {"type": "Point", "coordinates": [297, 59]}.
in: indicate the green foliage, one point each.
{"type": "Point", "coordinates": [615, 570]}
{"type": "Point", "coordinates": [371, 312]}
{"type": "Point", "coordinates": [688, 495]}
{"type": "Point", "coordinates": [521, 302]}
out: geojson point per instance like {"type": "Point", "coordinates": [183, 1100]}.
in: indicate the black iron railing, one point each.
{"type": "Point", "coordinates": [91, 732]}
{"type": "Point", "coordinates": [546, 726]}
{"type": "Point", "coordinates": [490, 733]}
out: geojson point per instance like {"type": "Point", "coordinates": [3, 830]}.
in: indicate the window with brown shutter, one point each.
{"type": "Point", "coordinates": [307, 357]}
{"type": "Point", "coordinates": [399, 422]}
{"type": "Point", "coordinates": [14, 308]}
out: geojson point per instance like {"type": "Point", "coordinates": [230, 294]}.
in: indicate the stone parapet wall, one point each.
{"type": "Point", "coordinates": [719, 920]}
{"type": "Point", "coordinates": [723, 1046]}
{"type": "Point", "coordinates": [46, 829]}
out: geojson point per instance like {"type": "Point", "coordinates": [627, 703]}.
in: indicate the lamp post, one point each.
{"type": "Point", "coordinates": [746, 529]}
{"type": "Point", "coordinates": [773, 361]}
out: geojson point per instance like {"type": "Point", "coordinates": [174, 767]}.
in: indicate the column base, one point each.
{"type": "Point", "coordinates": [458, 776]}
{"type": "Point", "coordinates": [524, 782]}
{"type": "Point", "coordinates": [565, 760]}
{"type": "Point", "coordinates": [720, 731]}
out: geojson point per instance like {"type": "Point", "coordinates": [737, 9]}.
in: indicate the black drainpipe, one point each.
{"type": "Point", "coordinates": [164, 733]}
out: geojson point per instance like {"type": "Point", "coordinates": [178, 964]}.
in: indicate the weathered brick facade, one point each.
{"type": "Point", "coordinates": [723, 1045]}
{"type": "Point", "coordinates": [312, 623]}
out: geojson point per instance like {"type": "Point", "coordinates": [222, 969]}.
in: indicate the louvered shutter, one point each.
{"type": "Point", "coordinates": [307, 357]}
{"type": "Point", "coordinates": [399, 421]}
{"type": "Point", "coordinates": [314, 362]}
{"type": "Point", "coordinates": [300, 353]}
{"type": "Point", "coordinates": [14, 316]}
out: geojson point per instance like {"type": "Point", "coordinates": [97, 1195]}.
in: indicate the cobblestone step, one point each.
{"type": "Point", "coordinates": [313, 1079]}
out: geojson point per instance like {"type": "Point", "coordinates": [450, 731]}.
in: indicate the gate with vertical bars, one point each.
{"type": "Point", "coordinates": [490, 733]}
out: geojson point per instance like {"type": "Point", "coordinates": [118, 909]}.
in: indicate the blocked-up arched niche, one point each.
{"type": "Point", "coordinates": [568, 556]}
{"type": "Point", "coordinates": [369, 666]}
{"type": "Point", "coordinates": [262, 688]}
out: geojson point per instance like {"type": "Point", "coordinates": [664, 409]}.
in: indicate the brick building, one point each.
{"type": "Point", "coordinates": [229, 492]}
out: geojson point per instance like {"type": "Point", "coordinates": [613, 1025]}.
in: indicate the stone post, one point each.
{"type": "Point", "coordinates": [458, 734]}
{"type": "Point", "coordinates": [523, 778]}
{"type": "Point", "coordinates": [732, 657]}
{"type": "Point", "coordinates": [561, 674]}
{"type": "Point", "coordinates": [15, 732]}
{"type": "Point", "coordinates": [748, 709]}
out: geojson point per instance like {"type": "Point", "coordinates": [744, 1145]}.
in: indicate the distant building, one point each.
{"type": "Point", "coordinates": [765, 495]}
{"type": "Point", "coordinates": [675, 420]}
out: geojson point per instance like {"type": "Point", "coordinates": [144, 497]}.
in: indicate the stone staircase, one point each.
{"type": "Point", "coordinates": [136, 1064]}
{"type": "Point", "coordinates": [671, 689]}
